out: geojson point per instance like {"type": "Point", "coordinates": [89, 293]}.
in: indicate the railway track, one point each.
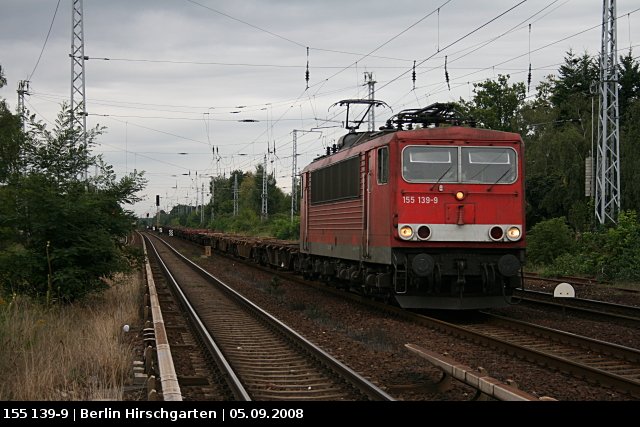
{"type": "Point", "coordinates": [605, 368]}
{"type": "Point", "coordinates": [261, 357]}
{"type": "Point", "coordinates": [595, 361]}
{"type": "Point", "coordinates": [598, 362]}
{"type": "Point", "coordinates": [194, 373]}
{"type": "Point", "coordinates": [579, 281]}
{"type": "Point", "coordinates": [581, 305]}
{"type": "Point", "coordinates": [572, 279]}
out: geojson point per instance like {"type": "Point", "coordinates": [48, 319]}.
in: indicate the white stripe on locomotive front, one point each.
{"type": "Point", "coordinates": [458, 233]}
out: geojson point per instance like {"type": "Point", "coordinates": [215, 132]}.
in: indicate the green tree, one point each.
{"type": "Point", "coordinates": [630, 159]}
{"type": "Point", "coordinates": [250, 193]}
{"type": "Point", "coordinates": [496, 104]}
{"type": "Point", "coordinates": [543, 199]}
{"type": "Point", "coordinates": [629, 90]}
{"type": "Point", "coordinates": [11, 141]}
{"type": "Point", "coordinates": [3, 79]}
{"type": "Point", "coordinates": [62, 234]}
{"type": "Point", "coordinates": [558, 140]}
{"type": "Point", "coordinates": [576, 79]}
{"type": "Point", "coordinates": [11, 138]}
{"type": "Point", "coordinates": [629, 98]}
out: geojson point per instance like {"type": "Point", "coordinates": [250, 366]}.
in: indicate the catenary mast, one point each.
{"type": "Point", "coordinates": [78, 98]}
{"type": "Point", "coordinates": [607, 174]}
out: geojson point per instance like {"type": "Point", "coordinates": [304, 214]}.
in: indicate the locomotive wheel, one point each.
{"type": "Point", "coordinates": [492, 276]}
{"type": "Point", "coordinates": [485, 277]}
{"type": "Point", "coordinates": [437, 277]}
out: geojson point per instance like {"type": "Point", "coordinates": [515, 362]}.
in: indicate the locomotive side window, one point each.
{"type": "Point", "coordinates": [430, 164]}
{"type": "Point", "coordinates": [337, 182]}
{"type": "Point", "coordinates": [488, 165]}
{"type": "Point", "coordinates": [383, 165]}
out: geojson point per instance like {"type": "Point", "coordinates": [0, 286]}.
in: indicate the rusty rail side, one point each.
{"type": "Point", "coordinates": [484, 384]}
{"type": "Point", "coordinates": [166, 369]}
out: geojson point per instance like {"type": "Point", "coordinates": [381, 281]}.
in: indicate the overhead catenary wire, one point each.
{"type": "Point", "coordinates": [312, 99]}
{"type": "Point", "coordinates": [474, 48]}
{"type": "Point", "coordinates": [479, 70]}
{"type": "Point", "coordinates": [465, 83]}
{"type": "Point", "coordinates": [325, 80]}
{"type": "Point", "coordinates": [55, 12]}
{"type": "Point", "coordinates": [458, 40]}
{"type": "Point", "coordinates": [246, 23]}
{"type": "Point", "coordinates": [391, 39]}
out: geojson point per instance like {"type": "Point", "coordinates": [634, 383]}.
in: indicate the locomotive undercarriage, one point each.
{"type": "Point", "coordinates": [460, 280]}
{"type": "Point", "coordinates": [374, 280]}
{"type": "Point", "coordinates": [418, 280]}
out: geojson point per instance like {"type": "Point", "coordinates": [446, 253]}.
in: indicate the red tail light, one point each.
{"type": "Point", "coordinates": [496, 233]}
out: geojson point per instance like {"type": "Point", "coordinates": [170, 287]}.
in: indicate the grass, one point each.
{"type": "Point", "coordinates": [75, 352]}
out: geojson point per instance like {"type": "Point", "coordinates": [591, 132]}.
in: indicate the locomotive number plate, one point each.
{"type": "Point", "coordinates": [421, 200]}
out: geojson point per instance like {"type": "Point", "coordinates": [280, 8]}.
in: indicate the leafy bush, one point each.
{"type": "Point", "coordinates": [549, 239]}
{"type": "Point", "coordinates": [620, 246]}
{"type": "Point", "coordinates": [285, 228]}
{"type": "Point", "coordinates": [610, 254]}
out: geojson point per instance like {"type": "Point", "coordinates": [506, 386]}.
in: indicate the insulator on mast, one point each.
{"type": "Point", "coordinates": [306, 74]}
{"type": "Point", "coordinates": [446, 73]}
{"type": "Point", "coordinates": [529, 76]}
{"type": "Point", "coordinates": [413, 75]}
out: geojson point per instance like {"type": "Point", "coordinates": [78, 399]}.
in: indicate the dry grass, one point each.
{"type": "Point", "coordinates": [76, 352]}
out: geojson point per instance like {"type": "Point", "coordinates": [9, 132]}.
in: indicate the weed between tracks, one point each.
{"type": "Point", "coordinates": [75, 352]}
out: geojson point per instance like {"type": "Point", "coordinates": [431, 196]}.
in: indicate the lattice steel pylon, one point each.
{"type": "Point", "coordinates": [372, 96]}
{"type": "Point", "coordinates": [265, 205]}
{"type": "Point", "coordinates": [78, 99]}
{"type": "Point", "coordinates": [23, 89]}
{"type": "Point", "coordinates": [294, 175]}
{"type": "Point", "coordinates": [235, 194]}
{"type": "Point", "coordinates": [607, 176]}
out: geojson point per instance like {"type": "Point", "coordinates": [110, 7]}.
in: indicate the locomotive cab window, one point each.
{"type": "Point", "coordinates": [430, 164]}
{"type": "Point", "coordinates": [488, 165]}
{"type": "Point", "coordinates": [383, 165]}
{"type": "Point", "coordinates": [472, 165]}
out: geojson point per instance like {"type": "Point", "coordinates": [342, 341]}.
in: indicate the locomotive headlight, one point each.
{"type": "Point", "coordinates": [460, 195]}
{"type": "Point", "coordinates": [406, 232]}
{"type": "Point", "coordinates": [513, 233]}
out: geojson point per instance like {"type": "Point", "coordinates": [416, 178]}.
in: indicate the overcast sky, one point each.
{"type": "Point", "coordinates": [183, 77]}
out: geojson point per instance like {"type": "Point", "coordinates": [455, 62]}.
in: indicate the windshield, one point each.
{"type": "Point", "coordinates": [430, 164]}
{"type": "Point", "coordinates": [474, 165]}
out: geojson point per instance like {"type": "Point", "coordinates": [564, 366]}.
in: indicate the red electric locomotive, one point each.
{"type": "Point", "coordinates": [433, 217]}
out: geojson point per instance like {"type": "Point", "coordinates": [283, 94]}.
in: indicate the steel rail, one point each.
{"type": "Point", "coordinates": [239, 392]}
{"type": "Point", "coordinates": [365, 386]}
